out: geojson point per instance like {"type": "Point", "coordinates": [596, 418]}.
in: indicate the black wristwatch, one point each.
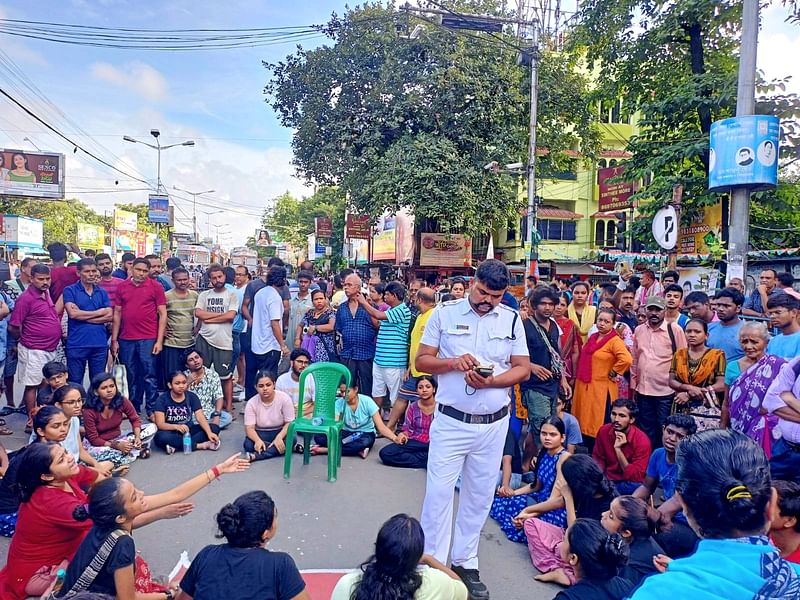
{"type": "Point", "coordinates": [168, 593]}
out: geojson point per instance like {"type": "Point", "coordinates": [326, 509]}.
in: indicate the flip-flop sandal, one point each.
{"type": "Point", "coordinates": [298, 448]}
{"type": "Point", "coordinates": [5, 431]}
{"type": "Point", "coordinates": [7, 410]}
{"type": "Point", "coordinates": [120, 471]}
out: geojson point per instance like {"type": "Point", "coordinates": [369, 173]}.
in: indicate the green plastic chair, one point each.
{"type": "Point", "coordinates": [327, 377]}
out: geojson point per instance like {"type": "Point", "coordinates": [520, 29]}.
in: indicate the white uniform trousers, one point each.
{"type": "Point", "coordinates": [475, 452]}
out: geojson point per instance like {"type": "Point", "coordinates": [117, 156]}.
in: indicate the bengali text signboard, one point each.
{"type": "Point", "coordinates": [442, 250]}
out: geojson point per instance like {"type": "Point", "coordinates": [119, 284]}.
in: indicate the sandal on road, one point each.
{"type": "Point", "coordinates": [5, 430]}
{"type": "Point", "coordinates": [7, 410]}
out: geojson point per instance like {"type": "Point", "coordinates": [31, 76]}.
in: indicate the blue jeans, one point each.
{"type": "Point", "coordinates": [237, 350]}
{"type": "Point", "coordinates": [785, 461]}
{"type": "Point", "coordinates": [138, 358]}
{"type": "Point", "coordinates": [79, 357]}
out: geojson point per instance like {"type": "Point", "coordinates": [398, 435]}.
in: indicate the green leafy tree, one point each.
{"type": "Point", "coordinates": [676, 63]}
{"type": "Point", "coordinates": [394, 122]}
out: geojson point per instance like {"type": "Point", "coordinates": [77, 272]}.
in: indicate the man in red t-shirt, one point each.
{"type": "Point", "coordinates": [621, 449]}
{"type": "Point", "coordinates": [61, 276]}
{"type": "Point", "coordinates": [137, 336]}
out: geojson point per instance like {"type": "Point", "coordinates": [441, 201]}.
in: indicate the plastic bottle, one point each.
{"type": "Point", "coordinates": [61, 575]}
{"type": "Point", "coordinates": [187, 443]}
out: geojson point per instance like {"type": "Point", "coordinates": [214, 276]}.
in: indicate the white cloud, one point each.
{"type": "Point", "coordinates": [135, 76]}
{"type": "Point", "coordinates": [778, 41]}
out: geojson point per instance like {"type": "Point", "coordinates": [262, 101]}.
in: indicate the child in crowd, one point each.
{"type": "Point", "coordinates": [68, 399]}
{"type": "Point", "coordinates": [173, 417]}
{"type": "Point", "coordinates": [785, 527]}
{"type": "Point", "coordinates": [674, 534]}
{"type": "Point", "coordinates": [539, 495]}
{"type": "Point", "coordinates": [628, 517]}
{"type": "Point", "coordinates": [411, 451]}
{"type": "Point", "coordinates": [595, 556]}
{"type": "Point", "coordinates": [586, 493]}
{"type": "Point", "coordinates": [247, 524]}
{"type": "Point", "coordinates": [55, 374]}
{"type": "Point", "coordinates": [399, 569]}
{"type": "Point", "coordinates": [571, 425]}
{"type": "Point", "coordinates": [102, 419]}
{"type": "Point", "coordinates": [266, 419]}
{"type": "Point", "coordinates": [361, 421]}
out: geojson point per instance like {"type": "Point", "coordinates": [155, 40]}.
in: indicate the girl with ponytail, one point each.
{"type": "Point", "coordinates": [394, 573]}
{"type": "Point", "coordinates": [595, 557]}
{"type": "Point", "coordinates": [243, 568]}
{"type": "Point", "coordinates": [632, 519]}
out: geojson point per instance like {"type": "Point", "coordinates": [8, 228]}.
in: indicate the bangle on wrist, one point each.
{"type": "Point", "coordinates": [215, 470]}
{"type": "Point", "coordinates": [450, 363]}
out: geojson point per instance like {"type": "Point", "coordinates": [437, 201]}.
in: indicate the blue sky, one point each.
{"type": "Point", "coordinates": [213, 97]}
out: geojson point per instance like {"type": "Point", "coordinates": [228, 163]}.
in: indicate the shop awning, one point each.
{"type": "Point", "coordinates": [552, 212]}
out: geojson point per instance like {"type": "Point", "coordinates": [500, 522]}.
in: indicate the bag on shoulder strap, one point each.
{"type": "Point", "coordinates": [93, 570]}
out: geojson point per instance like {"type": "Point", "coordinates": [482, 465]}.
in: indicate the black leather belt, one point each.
{"type": "Point", "coordinates": [473, 419]}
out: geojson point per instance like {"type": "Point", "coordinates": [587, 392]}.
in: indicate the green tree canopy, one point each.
{"type": "Point", "coordinates": [398, 122]}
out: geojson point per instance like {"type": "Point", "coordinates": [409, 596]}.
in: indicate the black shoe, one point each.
{"type": "Point", "coordinates": [475, 587]}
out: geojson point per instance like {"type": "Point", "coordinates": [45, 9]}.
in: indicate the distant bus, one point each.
{"type": "Point", "coordinates": [193, 254]}
{"type": "Point", "coordinates": [244, 256]}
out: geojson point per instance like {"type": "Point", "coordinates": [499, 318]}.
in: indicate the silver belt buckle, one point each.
{"type": "Point", "coordinates": [477, 419]}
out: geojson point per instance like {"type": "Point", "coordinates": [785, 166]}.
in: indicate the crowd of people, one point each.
{"type": "Point", "coordinates": [618, 430]}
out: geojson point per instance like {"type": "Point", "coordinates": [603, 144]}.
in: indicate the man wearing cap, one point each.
{"type": "Point", "coordinates": [477, 348]}
{"type": "Point", "coordinates": [654, 344]}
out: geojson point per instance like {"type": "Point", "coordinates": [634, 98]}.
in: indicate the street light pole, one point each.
{"type": "Point", "coordinates": [533, 256]}
{"type": "Point", "coordinates": [194, 196]}
{"type": "Point", "coordinates": [158, 148]}
{"type": "Point", "coordinates": [739, 235]}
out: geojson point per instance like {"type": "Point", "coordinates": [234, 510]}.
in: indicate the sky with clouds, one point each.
{"type": "Point", "coordinates": [97, 95]}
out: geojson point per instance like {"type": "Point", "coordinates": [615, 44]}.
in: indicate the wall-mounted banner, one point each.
{"type": "Point", "coordinates": [744, 153]}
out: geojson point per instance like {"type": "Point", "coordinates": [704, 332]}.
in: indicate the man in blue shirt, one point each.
{"type": "Point", "coordinates": [782, 310]}
{"type": "Point", "coordinates": [756, 304]}
{"type": "Point", "coordinates": [358, 335]}
{"type": "Point", "coordinates": [123, 270]}
{"type": "Point", "coordinates": [724, 334]}
{"type": "Point", "coordinates": [89, 309]}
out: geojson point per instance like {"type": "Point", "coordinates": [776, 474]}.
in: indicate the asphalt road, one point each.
{"type": "Point", "coordinates": [322, 525]}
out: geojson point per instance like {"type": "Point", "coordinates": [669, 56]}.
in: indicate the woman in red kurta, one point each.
{"type": "Point", "coordinates": [52, 486]}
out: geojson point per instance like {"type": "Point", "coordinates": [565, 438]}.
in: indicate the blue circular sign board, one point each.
{"type": "Point", "coordinates": [744, 153]}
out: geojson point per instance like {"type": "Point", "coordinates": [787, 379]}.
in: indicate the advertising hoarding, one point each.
{"type": "Point", "coordinates": [31, 174]}
{"type": "Point", "coordinates": [613, 196]}
{"type": "Point", "coordinates": [124, 220]}
{"type": "Point", "coordinates": [91, 236]}
{"type": "Point", "coordinates": [23, 231]}
{"type": "Point", "coordinates": [696, 237]}
{"type": "Point", "coordinates": [744, 152]}
{"type": "Point", "coordinates": [262, 238]}
{"type": "Point", "coordinates": [394, 238]}
{"type": "Point", "coordinates": [158, 209]}
{"type": "Point", "coordinates": [323, 227]}
{"type": "Point", "coordinates": [358, 227]}
{"type": "Point", "coordinates": [441, 250]}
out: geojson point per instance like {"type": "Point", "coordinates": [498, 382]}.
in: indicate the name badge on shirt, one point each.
{"type": "Point", "coordinates": [458, 330]}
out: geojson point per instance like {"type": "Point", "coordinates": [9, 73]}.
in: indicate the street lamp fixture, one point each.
{"type": "Point", "coordinates": [158, 148]}
{"type": "Point", "coordinates": [194, 196]}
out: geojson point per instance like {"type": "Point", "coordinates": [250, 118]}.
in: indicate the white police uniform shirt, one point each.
{"type": "Point", "coordinates": [456, 329]}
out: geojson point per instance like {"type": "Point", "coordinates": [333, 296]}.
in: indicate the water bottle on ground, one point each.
{"type": "Point", "coordinates": [61, 575]}
{"type": "Point", "coordinates": [187, 443]}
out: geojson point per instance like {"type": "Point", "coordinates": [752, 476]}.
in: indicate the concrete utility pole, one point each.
{"type": "Point", "coordinates": [739, 233]}
{"type": "Point", "coordinates": [532, 257]}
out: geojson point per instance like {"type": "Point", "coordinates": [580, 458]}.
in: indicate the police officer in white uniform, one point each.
{"type": "Point", "coordinates": [468, 435]}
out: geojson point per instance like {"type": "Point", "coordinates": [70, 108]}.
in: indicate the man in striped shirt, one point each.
{"type": "Point", "coordinates": [391, 348]}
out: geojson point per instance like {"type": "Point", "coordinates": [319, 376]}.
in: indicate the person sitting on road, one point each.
{"type": "Point", "coordinates": [674, 535]}
{"type": "Point", "coordinates": [55, 375]}
{"type": "Point", "coordinates": [785, 527]}
{"type": "Point", "coordinates": [622, 449]}
{"type": "Point", "coordinates": [173, 417]}
{"type": "Point", "coordinates": [725, 488]}
{"type": "Point", "coordinates": [247, 524]}
{"type": "Point", "coordinates": [411, 451]}
{"type": "Point", "coordinates": [115, 508]}
{"type": "Point", "coordinates": [266, 419]}
{"type": "Point", "coordinates": [595, 556]}
{"type": "Point", "coordinates": [394, 570]}
{"type": "Point", "coordinates": [629, 517]}
{"type": "Point", "coordinates": [205, 382]}
{"type": "Point", "coordinates": [69, 399]}
{"type": "Point", "coordinates": [361, 421]}
{"type": "Point", "coordinates": [585, 493]}
{"type": "Point", "coordinates": [539, 495]}
{"type": "Point", "coordinates": [289, 382]}
{"type": "Point", "coordinates": [102, 419]}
